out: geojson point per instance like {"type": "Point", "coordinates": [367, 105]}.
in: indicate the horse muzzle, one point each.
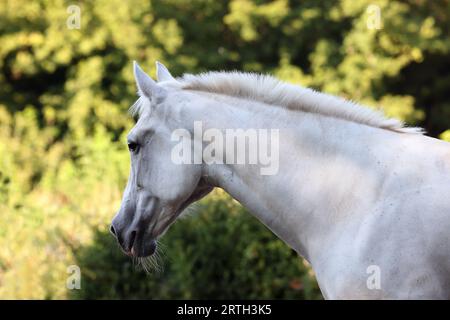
{"type": "Point", "coordinates": [132, 229]}
{"type": "Point", "coordinates": [134, 243]}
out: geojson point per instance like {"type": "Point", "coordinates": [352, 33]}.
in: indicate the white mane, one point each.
{"type": "Point", "coordinates": [272, 91]}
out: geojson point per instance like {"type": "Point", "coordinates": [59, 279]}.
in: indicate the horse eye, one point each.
{"type": "Point", "coordinates": [133, 147]}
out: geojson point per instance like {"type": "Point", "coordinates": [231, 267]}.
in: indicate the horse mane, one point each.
{"type": "Point", "coordinates": [269, 90]}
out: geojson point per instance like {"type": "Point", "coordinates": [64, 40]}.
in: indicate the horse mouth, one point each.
{"type": "Point", "coordinates": [144, 249]}
{"type": "Point", "coordinates": [144, 244]}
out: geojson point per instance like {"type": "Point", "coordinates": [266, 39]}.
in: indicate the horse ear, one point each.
{"type": "Point", "coordinates": [162, 74]}
{"type": "Point", "coordinates": [146, 85]}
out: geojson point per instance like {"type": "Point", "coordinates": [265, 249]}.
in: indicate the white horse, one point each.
{"type": "Point", "coordinates": [364, 199]}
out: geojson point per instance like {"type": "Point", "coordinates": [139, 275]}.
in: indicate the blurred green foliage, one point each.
{"type": "Point", "coordinates": [63, 100]}
{"type": "Point", "coordinates": [221, 253]}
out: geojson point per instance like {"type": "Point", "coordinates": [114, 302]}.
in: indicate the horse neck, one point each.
{"type": "Point", "coordinates": [327, 171]}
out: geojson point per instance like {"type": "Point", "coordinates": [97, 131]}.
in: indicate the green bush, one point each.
{"type": "Point", "coordinates": [221, 253]}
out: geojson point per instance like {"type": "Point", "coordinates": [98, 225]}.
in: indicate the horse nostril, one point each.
{"type": "Point", "coordinates": [113, 231]}
{"type": "Point", "coordinates": [132, 238]}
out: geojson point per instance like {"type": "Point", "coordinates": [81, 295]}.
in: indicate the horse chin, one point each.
{"type": "Point", "coordinates": [144, 250]}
